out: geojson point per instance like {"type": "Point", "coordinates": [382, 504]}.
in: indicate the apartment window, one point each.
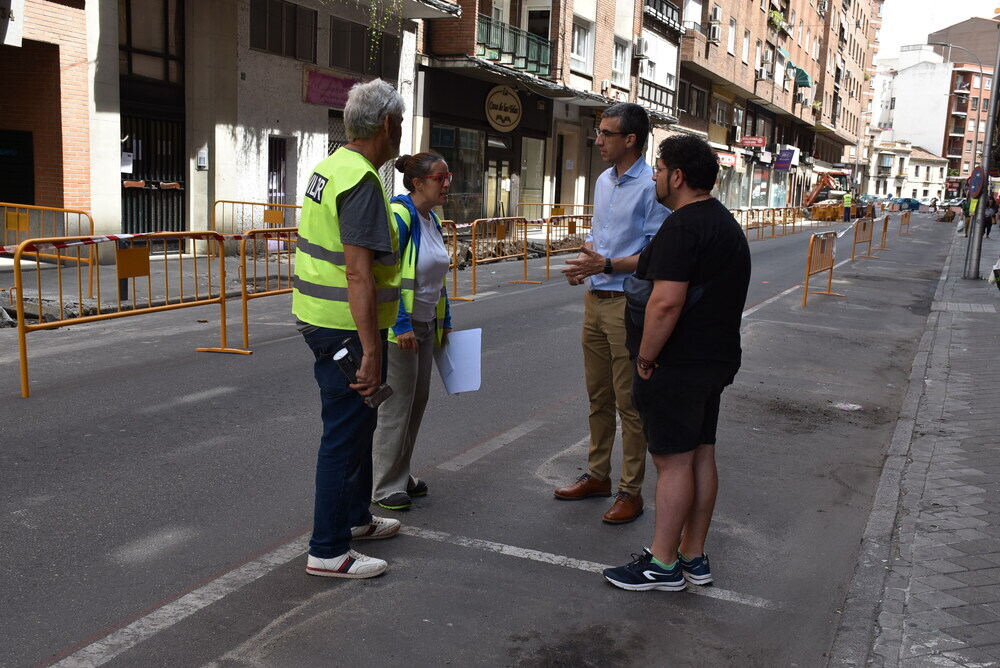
{"type": "Point", "coordinates": [283, 28]}
{"type": "Point", "coordinates": [682, 96]}
{"type": "Point", "coordinates": [791, 20]}
{"type": "Point", "coordinates": [619, 76]}
{"type": "Point", "coordinates": [817, 47]}
{"type": "Point", "coordinates": [352, 49]}
{"type": "Point", "coordinates": [757, 56]}
{"type": "Point", "coordinates": [914, 195]}
{"type": "Point", "coordinates": [579, 57]}
{"type": "Point", "coordinates": [976, 81]}
{"type": "Point", "coordinates": [721, 113]}
{"type": "Point", "coordinates": [892, 103]}
{"type": "Point", "coordinates": [975, 104]}
{"type": "Point", "coordinates": [151, 47]}
{"type": "Point", "coordinates": [902, 166]}
{"type": "Point", "coordinates": [746, 46]}
{"type": "Point", "coordinates": [916, 171]}
{"type": "Point", "coordinates": [942, 172]}
{"type": "Point", "coordinates": [968, 146]}
{"type": "Point", "coordinates": [972, 125]}
{"type": "Point", "coordinates": [731, 44]}
{"type": "Point", "coordinates": [988, 83]}
{"type": "Point", "coordinates": [965, 167]}
{"type": "Point", "coordinates": [699, 102]}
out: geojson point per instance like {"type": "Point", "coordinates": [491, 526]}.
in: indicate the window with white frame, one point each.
{"type": "Point", "coordinates": [746, 46]}
{"type": "Point", "coordinates": [975, 81]}
{"type": "Point", "coordinates": [965, 167]}
{"type": "Point", "coordinates": [721, 116]}
{"type": "Point", "coordinates": [817, 46]}
{"type": "Point", "coordinates": [619, 73]}
{"type": "Point", "coordinates": [988, 83]}
{"type": "Point", "coordinates": [731, 40]}
{"type": "Point", "coordinates": [972, 125]}
{"type": "Point", "coordinates": [581, 50]}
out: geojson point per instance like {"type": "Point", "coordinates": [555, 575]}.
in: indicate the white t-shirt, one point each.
{"type": "Point", "coordinates": [432, 267]}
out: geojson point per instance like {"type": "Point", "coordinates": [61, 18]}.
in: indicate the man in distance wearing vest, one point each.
{"type": "Point", "coordinates": [346, 285]}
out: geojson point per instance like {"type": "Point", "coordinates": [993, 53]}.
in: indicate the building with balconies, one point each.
{"type": "Point", "coordinates": [757, 79]}
{"type": "Point", "coordinates": [900, 169]}
{"type": "Point", "coordinates": [511, 93]}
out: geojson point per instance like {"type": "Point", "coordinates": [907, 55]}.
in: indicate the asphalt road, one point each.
{"type": "Point", "coordinates": [156, 501]}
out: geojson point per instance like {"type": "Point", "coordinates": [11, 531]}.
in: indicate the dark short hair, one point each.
{"type": "Point", "coordinates": [632, 120]}
{"type": "Point", "coordinates": [416, 167]}
{"type": "Point", "coordinates": [693, 156]}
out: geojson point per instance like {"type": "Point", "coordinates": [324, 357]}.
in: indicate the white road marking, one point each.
{"type": "Point", "coordinates": [754, 309]}
{"type": "Point", "coordinates": [570, 562]}
{"type": "Point", "coordinates": [192, 398]}
{"type": "Point", "coordinates": [127, 637]}
{"type": "Point", "coordinates": [460, 461]}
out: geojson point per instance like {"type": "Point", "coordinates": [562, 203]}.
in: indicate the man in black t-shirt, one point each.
{"type": "Point", "coordinates": [686, 350]}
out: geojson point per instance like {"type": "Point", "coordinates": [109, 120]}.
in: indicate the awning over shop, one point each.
{"type": "Point", "coordinates": [802, 78]}
{"type": "Point", "coordinates": [784, 52]}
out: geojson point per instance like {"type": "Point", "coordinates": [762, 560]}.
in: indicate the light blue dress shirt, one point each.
{"type": "Point", "coordinates": [626, 217]}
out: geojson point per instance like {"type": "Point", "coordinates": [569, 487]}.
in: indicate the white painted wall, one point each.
{"type": "Point", "coordinates": [663, 53]}
{"type": "Point", "coordinates": [105, 119]}
{"type": "Point", "coordinates": [921, 113]}
{"type": "Point", "coordinates": [624, 19]}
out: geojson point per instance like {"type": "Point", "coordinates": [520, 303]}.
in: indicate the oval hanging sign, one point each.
{"type": "Point", "coordinates": [503, 108]}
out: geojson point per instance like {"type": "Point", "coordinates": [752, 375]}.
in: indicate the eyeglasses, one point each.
{"type": "Point", "coordinates": [608, 133]}
{"type": "Point", "coordinates": [444, 178]}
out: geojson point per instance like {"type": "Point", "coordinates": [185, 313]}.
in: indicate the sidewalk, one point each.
{"type": "Point", "coordinates": [938, 497]}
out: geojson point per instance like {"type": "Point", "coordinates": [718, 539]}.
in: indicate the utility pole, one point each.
{"type": "Point", "coordinates": [974, 251]}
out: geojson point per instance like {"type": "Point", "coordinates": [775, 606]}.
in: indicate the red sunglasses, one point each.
{"type": "Point", "coordinates": [444, 178]}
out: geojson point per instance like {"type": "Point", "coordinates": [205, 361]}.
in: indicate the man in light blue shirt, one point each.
{"type": "Point", "coordinates": [626, 217]}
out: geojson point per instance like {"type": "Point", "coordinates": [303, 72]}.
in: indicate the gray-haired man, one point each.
{"type": "Point", "coordinates": [346, 286]}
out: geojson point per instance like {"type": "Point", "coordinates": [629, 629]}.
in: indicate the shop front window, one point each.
{"type": "Point", "coordinates": [779, 189]}
{"type": "Point", "coordinates": [464, 151]}
{"type": "Point", "coordinates": [532, 169]}
{"type": "Point", "coordinates": [758, 191]}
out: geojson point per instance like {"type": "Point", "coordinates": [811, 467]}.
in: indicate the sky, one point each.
{"type": "Point", "coordinates": [907, 22]}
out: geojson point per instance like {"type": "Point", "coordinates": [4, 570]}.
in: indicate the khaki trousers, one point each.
{"type": "Point", "coordinates": [609, 384]}
{"type": "Point", "coordinates": [399, 417]}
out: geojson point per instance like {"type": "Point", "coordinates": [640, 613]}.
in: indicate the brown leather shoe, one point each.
{"type": "Point", "coordinates": [585, 486]}
{"type": "Point", "coordinates": [626, 508]}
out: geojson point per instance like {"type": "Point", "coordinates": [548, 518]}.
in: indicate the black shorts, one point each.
{"type": "Point", "coordinates": [678, 414]}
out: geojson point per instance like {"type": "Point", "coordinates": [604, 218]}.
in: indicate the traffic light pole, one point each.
{"type": "Point", "coordinates": [974, 251]}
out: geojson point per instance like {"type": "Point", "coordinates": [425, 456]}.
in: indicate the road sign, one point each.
{"type": "Point", "coordinates": [976, 182]}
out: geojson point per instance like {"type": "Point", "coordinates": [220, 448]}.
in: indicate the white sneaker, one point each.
{"type": "Point", "coordinates": [378, 528]}
{"type": "Point", "coordinates": [348, 565]}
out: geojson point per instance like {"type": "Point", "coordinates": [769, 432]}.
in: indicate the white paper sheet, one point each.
{"type": "Point", "coordinates": [460, 361]}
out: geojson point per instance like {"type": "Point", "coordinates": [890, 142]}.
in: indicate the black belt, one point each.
{"type": "Point", "coordinates": [607, 294]}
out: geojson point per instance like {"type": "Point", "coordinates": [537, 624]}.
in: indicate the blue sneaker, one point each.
{"type": "Point", "coordinates": [642, 575]}
{"type": "Point", "coordinates": [696, 570]}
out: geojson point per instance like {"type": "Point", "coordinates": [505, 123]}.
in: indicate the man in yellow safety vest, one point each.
{"type": "Point", "coordinates": [346, 287]}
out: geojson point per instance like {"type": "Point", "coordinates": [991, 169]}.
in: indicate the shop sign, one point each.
{"type": "Point", "coordinates": [327, 89]}
{"type": "Point", "coordinates": [727, 159]}
{"type": "Point", "coordinates": [503, 108]}
{"type": "Point", "coordinates": [754, 141]}
{"type": "Point", "coordinates": [764, 156]}
{"type": "Point", "coordinates": [784, 160]}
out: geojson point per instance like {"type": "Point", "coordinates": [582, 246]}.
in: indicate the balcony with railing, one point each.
{"type": "Point", "coordinates": [957, 130]}
{"type": "Point", "coordinates": [658, 97]}
{"type": "Point", "coordinates": [511, 46]}
{"type": "Point", "coordinates": [884, 172]}
{"type": "Point", "coordinates": [665, 12]}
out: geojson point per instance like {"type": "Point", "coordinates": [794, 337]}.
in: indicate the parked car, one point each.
{"type": "Point", "coordinates": [955, 201]}
{"type": "Point", "coordinates": [906, 203]}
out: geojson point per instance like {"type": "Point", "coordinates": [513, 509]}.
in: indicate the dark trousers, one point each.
{"type": "Point", "coordinates": [344, 461]}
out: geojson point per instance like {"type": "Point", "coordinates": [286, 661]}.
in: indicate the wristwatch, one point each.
{"type": "Point", "coordinates": [608, 269]}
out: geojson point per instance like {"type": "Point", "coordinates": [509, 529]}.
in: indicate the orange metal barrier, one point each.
{"type": "Point", "coordinates": [885, 233]}
{"type": "Point", "coordinates": [266, 267]}
{"type": "Point", "coordinates": [539, 210]}
{"type": "Point", "coordinates": [565, 234]}
{"type": "Point", "coordinates": [495, 239]}
{"type": "Point", "coordinates": [181, 281]}
{"type": "Point", "coordinates": [234, 217]}
{"type": "Point", "coordinates": [453, 244]}
{"type": "Point", "coordinates": [820, 259]}
{"type": "Point", "coordinates": [863, 229]}
{"type": "Point", "coordinates": [23, 221]}
{"type": "Point", "coordinates": [904, 223]}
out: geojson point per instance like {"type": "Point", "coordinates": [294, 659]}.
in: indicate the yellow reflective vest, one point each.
{"type": "Point", "coordinates": [409, 229]}
{"type": "Point", "coordinates": [319, 287]}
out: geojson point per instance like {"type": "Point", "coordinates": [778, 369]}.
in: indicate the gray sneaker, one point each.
{"type": "Point", "coordinates": [395, 501]}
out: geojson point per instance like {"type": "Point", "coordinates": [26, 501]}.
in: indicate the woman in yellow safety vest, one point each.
{"type": "Point", "coordinates": [424, 321]}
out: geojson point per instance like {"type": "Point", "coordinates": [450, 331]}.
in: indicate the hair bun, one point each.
{"type": "Point", "coordinates": [400, 163]}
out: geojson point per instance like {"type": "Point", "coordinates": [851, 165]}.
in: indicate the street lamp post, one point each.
{"type": "Point", "coordinates": [973, 251]}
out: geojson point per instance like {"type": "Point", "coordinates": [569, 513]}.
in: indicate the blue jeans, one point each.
{"type": "Point", "coordinates": [344, 462]}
